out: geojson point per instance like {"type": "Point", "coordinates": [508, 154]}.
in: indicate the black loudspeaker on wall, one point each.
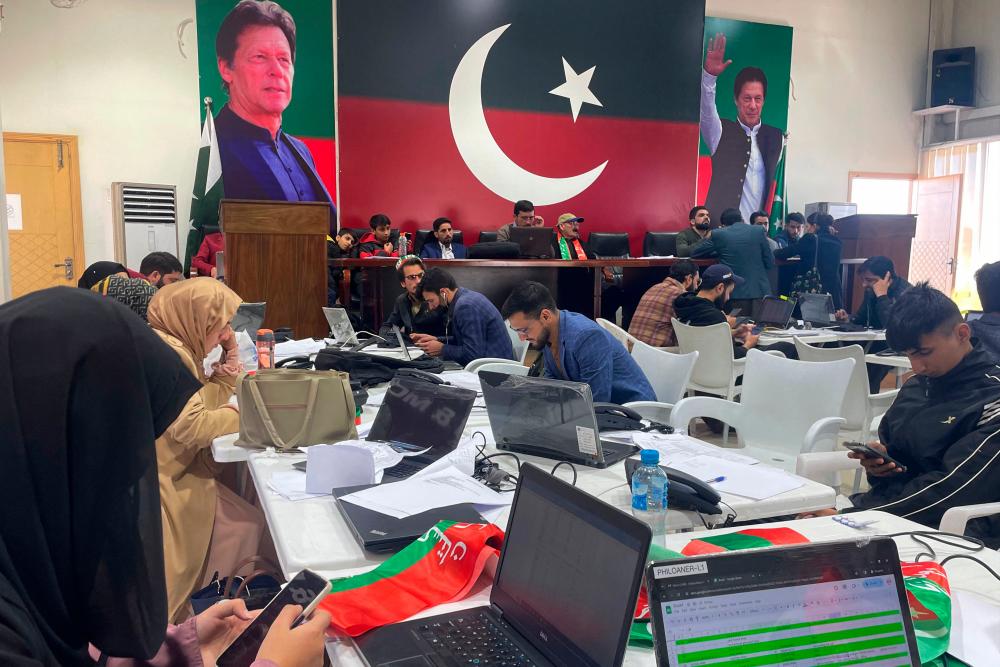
{"type": "Point", "coordinates": [953, 77]}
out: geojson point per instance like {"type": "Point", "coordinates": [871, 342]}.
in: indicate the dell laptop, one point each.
{"type": "Point", "coordinates": [249, 317]}
{"type": "Point", "coordinates": [833, 603]}
{"type": "Point", "coordinates": [775, 312]}
{"type": "Point", "coordinates": [534, 242]}
{"type": "Point", "coordinates": [549, 418]}
{"type": "Point", "coordinates": [563, 596]}
{"type": "Point", "coordinates": [817, 309]}
{"type": "Point", "coordinates": [340, 326]}
{"type": "Point", "coordinates": [416, 416]}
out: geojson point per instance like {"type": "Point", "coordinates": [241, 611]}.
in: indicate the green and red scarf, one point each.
{"type": "Point", "coordinates": [564, 247]}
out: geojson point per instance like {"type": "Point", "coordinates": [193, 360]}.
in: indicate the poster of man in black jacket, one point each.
{"type": "Point", "coordinates": [944, 426]}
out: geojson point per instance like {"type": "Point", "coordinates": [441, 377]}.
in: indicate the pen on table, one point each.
{"type": "Point", "coordinates": [716, 480]}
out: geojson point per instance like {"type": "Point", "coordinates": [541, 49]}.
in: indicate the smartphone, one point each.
{"type": "Point", "coordinates": [306, 588]}
{"type": "Point", "coordinates": [735, 312]}
{"type": "Point", "coordinates": [868, 452]}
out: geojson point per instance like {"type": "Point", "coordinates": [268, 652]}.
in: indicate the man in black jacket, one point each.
{"type": "Point", "coordinates": [410, 312]}
{"type": "Point", "coordinates": [944, 426]}
{"type": "Point", "coordinates": [987, 328]}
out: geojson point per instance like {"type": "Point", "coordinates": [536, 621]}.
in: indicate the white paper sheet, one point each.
{"type": "Point", "coordinates": [975, 629]}
{"type": "Point", "coordinates": [677, 447]}
{"type": "Point", "coordinates": [295, 348]}
{"type": "Point", "coordinates": [424, 492]}
{"type": "Point", "coordinates": [463, 379]}
{"type": "Point", "coordinates": [755, 482]}
{"type": "Point", "coordinates": [334, 466]}
{"type": "Point", "coordinates": [291, 485]}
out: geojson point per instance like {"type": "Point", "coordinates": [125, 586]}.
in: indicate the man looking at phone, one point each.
{"type": "Point", "coordinates": [943, 430]}
{"type": "Point", "coordinates": [524, 216]}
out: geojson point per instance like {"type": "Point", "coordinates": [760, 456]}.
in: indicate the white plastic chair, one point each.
{"type": "Point", "coordinates": [955, 518]}
{"type": "Point", "coordinates": [624, 337]}
{"type": "Point", "coordinates": [860, 408]}
{"type": "Point", "coordinates": [473, 365]}
{"type": "Point", "coordinates": [668, 373]}
{"type": "Point", "coordinates": [652, 410]}
{"type": "Point", "coordinates": [813, 392]}
{"type": "Point", "coordinates": [509, 367]}
{"type": "Point", "coordinates": [823, 467]}
{"type": "Point", "coordinates": [520, 346]}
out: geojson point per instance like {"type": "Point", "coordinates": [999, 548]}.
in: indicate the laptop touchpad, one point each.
{"type": "Point", "coordinates": [415, 661]}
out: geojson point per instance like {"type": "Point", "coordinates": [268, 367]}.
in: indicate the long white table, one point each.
{"type": "Point", "coordinates": [962, 574]}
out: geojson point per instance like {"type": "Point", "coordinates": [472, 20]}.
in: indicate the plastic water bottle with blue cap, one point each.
{"type": "Point", "coordinates": [649, 492]}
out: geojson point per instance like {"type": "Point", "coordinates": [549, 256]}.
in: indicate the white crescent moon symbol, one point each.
{"type": "Point", "coordinates": [479, 149]}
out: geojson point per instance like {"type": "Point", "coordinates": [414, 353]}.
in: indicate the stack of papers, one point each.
{"type": "Point", "coordinates": [675, 447]}
{"type": "Point", "coordinates": [291, 485]}
{"type": "Point", "coordinates": [426, 491]}
{"type": "Point", "coordinates": [298, 348]}
{"type": "Point", "coordinates": [755, 482]}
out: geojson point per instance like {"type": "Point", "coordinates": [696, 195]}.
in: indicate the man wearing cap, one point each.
{"type": "Point", "coordinates": [705, 308]}
{"type": "Point", "coordinates": [567, 244]}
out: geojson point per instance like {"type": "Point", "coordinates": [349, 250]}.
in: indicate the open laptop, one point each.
{"type": "Point", "coordinates": [340, 326]}
{"type": "Point", "coordinates": [535, 242]}
{"type": "Point", "coordinates": [775, 312]}
{"type": "Point", "coordinates": [817, 309]}
{"type": "Point", "coordinates": [834, 603]}
{"type": "Point", "coordinates": [973, 315]}
{"type": "Point", "coordinates": [549, 418]}
{"type": "Point", "coordinates": [249, 317]}
{"type": "Point", "coordinates": [416, 416]}
{"type": "Point", "coordinates": [563, 596]}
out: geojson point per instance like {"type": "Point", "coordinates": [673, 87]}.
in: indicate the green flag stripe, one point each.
{"type": "Point", "coordinates": [791, 642]}
{"type": "Point", "coordinates": [736, 541]}
{"type": "Point", "coordinates": [406, 558]}
{"type": "Point", "coordinates": [805, 653]}
{"type": "Point", "coordinates": [792, 626]}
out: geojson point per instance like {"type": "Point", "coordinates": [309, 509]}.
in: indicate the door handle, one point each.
{"type": "Point", "coordinates": [68, 265]}
{"type": "Point", "coordinates": [951, 265]}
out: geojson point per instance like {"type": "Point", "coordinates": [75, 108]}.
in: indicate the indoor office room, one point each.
{"type": "Point", "coordinates": [553, 333]}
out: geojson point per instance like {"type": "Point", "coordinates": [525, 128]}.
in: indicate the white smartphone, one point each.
{"type": "Point", "coordinates": [306, 588]}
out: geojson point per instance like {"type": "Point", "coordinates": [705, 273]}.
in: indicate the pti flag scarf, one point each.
{"type": "Point", "coordinates": [439, 567]}
{"type": "Point", "coordinates": [564, 248]}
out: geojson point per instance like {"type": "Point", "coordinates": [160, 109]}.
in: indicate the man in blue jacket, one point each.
{"type": "Point", "coordinates": [744, 248]}
{"type": "Point", "coordinates": [442, 247]}
{"type": "Point", "coordinates": [473, 328]}
{"type": "Point", "coordinates": [575, 347]}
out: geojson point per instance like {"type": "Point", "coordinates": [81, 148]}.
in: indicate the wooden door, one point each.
{"type": "Point", "coordinates": [935, 246]}
{"type": "Point", "coordinates": [42, 173]}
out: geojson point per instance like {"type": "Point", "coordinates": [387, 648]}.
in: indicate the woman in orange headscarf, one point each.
{"type": "Point", "coordinates": [206, 527]}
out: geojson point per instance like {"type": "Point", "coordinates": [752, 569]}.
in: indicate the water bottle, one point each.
{"type": "Point", "coordinates": [265, 348]}
{"type": "Point", "coordinates": [649, 492]}
{"type": "Point", "coordinates": [403, 245]}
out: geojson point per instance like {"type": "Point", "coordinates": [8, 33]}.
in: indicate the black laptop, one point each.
{"type": "Point", "coordinates": [249, 317]}
{"type": "Point", "coordinates": [973, 315]}
{"type": "Point", "coordinates": [564, 593]}
{"type": "Point", "coordinates": [775, 312]}
{"type": "Point", "coordinates": [417, 415]}
{"type": "Point", "coordinates": [817, 309]}
{"type": "Point", "coordinates": [549, 418]}
{"type": "Point", "coordinates": [834, 603]}
{"type": "Point", "coordinates": [534, 242]}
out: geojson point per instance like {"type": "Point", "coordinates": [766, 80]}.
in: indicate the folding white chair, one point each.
{"type": "Point", "coordinates": [668, 373]}
{"type": "Point", "coordinates": [509, 367]}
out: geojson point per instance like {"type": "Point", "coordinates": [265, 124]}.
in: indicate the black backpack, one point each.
{"type": "Point", "coordinates": [370, 369]}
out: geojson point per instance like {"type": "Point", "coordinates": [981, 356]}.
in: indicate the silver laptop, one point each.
{"type": "Point", "coordinates": [340, 326]}
{"type": "Point", "coordinates": [401, 342]}
{"type": "Point", "coordinates": [817, 309]}
{"type": "Point", "coordinates": [249, 317]}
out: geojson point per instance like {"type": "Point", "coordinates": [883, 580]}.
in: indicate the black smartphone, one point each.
{"type": "Point", "coordinates": [868, 452]}
{"type": "Point", "coordinates": [306, 589]}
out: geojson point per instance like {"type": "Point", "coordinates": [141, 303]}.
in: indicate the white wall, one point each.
{"type": "Point", "coordinates": [108, 71]}
{"type": "Point", "coordinates": [858, 68]}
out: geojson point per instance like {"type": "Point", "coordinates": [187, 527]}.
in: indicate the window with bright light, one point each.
{"type": "Point", "coordinates": [888, 193]}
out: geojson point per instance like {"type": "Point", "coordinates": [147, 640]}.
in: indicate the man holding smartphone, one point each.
{"type": "Point", "coordinates": [943, 430]}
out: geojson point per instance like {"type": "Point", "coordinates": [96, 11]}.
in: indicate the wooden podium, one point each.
{"type": "Point", "coordinates": [867, 235]}
{"type": "Point", "coordinates": [276, 252]}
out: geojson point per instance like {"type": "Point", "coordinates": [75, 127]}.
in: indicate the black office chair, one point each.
{"type": "Point", "coordinates": [609, 245]}
{"type": "Point", "coordinates": [457, 237]}
{"type": "Point", "coordinates": [420, 237]}
{"type": "Point", "coordinates": [358, 232]}
{"type": "Point", "coordinates": [494, 250]}
{"type": "Point", "coordinates": [659, 244]}
{"type": "Point", "coordinates": [487, 237]}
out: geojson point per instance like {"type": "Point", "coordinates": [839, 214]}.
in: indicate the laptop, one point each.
{"type": "Point", "coordinates": [340, 326]}
{"type": "Point", "coordinates": [553, 419]}
{"type": "Point", "coordinates": [249, 317]}
{"type": "Point", "coordinates": [775, 312]}
{"type": "Point", "coordinates": [416, 416]}
{"type": "Point", "coordinates": [817, 309]}
{"type": "Point", "coordinates": [401, 342]}
{"type": "Point", "coordinates": [563, 596]}
{"type": "Point", "coordinates": [834, 603]}
{"type": "Point", "coordinates": [535, 242]}
{"type": "Point", "coordinates": [973, 315]}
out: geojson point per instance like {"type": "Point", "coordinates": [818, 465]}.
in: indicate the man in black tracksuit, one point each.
{"type": "Point", "coordinates": [410, 312]}
{"type": "Point", "coordinates": [945, 424]}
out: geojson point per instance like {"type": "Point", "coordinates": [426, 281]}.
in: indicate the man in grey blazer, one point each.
{"type": "Point", "coordinates": [744, 248]}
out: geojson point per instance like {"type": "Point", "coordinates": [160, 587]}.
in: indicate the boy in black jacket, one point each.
{"type": "Point", "coordinates": [944, 426]}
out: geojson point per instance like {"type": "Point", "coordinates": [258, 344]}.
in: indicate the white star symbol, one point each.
{"type": "Point", "coordinates": [577, 89]}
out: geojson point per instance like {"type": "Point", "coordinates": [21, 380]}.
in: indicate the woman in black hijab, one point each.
{"type": "Point", "coordinates": [81, 556]}
{"type": "Point", "coordinates": [98, 271]}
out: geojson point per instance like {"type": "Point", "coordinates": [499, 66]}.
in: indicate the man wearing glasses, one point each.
{"type": "Point", "coordinates": [410, 312]}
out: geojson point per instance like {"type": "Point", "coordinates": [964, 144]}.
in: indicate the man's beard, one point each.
{"type": "Point", "coordinates": [720, 302]}
{"type": "Point", "coordinates": [540, 342]}
{"type": "Point", "coordinates": [703, 226]}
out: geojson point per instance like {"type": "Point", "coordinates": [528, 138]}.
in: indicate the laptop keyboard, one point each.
{"type": "Point", "coordinates": [402, 469]}
{"type": "Point", "coordinates": [476, 639]}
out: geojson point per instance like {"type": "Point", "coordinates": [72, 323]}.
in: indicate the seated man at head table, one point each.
{"type": "Point", "coordinates": [882, 288]}
{"type": "Point", "coordinates": [699, 224]}
{"type": "Point", "coordinates": [473, 327]}
{"type": "Point", "coordinates": [443, 245]}
{"type": "Point", "coordinates": [575, 347]}
{"type": "Point", "coordinates": [943, 430]}
{"type": "Point", "coordinates": [410, 312]}
{"type": "Point", "coordinates": [524, 216]}
{"type": "Point", "coordinates": [378, 242]}
{"type": "Point", "coordinates": [651, 321]}
{"type": "Point", "coordinates": [987, 328]}
{"type": "Point", "coordinates": [161, 268]}
{"type": "Point", "coordinates": [706, 307]}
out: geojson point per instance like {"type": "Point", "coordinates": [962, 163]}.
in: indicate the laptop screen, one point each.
{"type": "Point", "coordinates": [422, 414]}
{"type": "Point", "coordinates": [556, 415]}
{"type": "Point", "coordinates": [816, 308]}
{"type": "Point", "coordinates": [775, 312]}
{"type": "Point", "coordinates": [570, 571]}
{"type": "Point", "coordinates": [821, 604]}
{"type": "Point", "coordinates": [249, 317]}
{"type": "Point", "coordinates": [973, 315]}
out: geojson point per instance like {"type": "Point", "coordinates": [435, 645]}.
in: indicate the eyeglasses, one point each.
{"type": "Point", "coordinates": [415, 277]}
{"type": "Point", "coordinates": [520, 331]}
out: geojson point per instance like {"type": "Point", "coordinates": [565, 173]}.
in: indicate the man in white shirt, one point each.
{"type": "Point", "coordinates": [745, 152]}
